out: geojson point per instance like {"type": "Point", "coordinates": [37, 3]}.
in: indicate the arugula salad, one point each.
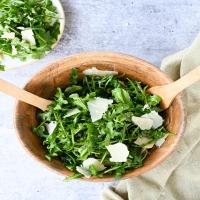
{"type": "Point", "coordinates": [101, 124]}
{"type": "Point", "coordinates": [28, 28]}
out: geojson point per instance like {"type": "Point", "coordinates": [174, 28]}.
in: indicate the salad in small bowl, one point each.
{"type": "Point", "coordinates": [102, 124]}
{"type": "Point", "coordinates": [29, 29]}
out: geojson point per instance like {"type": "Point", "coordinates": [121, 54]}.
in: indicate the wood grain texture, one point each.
{"type": "Point", "coordinates": [57, 74]}
{"type": "Point", "coordinates": [170, 91]}
{"type": "Point", "coordinates": [23, 95]}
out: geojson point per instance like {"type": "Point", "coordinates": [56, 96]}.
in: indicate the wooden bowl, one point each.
{"type": "Point", "coordinates": [57, 74]}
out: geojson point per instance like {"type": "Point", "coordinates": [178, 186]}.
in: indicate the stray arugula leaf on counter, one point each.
{"type": "Point", "coordinates": [28, 28]}
{"type": "Point", "coordinates": [101, 125]}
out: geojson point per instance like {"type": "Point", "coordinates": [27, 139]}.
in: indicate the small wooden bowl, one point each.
{"type": "Point", "coordinates": [57, 74]}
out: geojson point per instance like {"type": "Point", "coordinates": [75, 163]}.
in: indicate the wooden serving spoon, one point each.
{"type": "Point", "coordinates": [23, 95]}
{"type": "Point", "coordinates": [170, 91]}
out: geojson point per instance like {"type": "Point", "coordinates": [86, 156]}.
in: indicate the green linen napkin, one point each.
{"type": "Point", "coordinates": [177, 178]}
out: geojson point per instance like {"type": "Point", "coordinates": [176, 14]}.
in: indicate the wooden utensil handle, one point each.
{"type": "Point", "coordinates": [23, 95]}
{"type": "Point", "coordinates": [186, 81]}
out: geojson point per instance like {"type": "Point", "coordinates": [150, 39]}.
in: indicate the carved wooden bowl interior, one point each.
{"type": "Point", "coordinates": [57, 74]}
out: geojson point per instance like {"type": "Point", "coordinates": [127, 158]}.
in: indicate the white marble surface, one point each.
{"type": "Point", "coordinates": [149, 29]}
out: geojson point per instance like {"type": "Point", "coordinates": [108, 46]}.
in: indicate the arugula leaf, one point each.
{"type": "Point", "coordinates": [121, 95]}
{"type": "Point", "coordinates": [75, 176]}
{"type": "Point", "coordinates": [74, 76]}
{"type": "Point", "coordinates": [93, 171]}
{"type": "Point", "coordinates": [73, 89]}
{"type": "Point", "coordinates": [60, 99]}
{"type": "Point", "coordinates": [153, 100]}
{"type": "Point", "coordinates": [77, 101]}
{"type": "Point", "coordinates": [41, 131]}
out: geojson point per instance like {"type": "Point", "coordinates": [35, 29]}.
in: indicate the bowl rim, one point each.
{"type": "Point", "coordinates": [144, 168]}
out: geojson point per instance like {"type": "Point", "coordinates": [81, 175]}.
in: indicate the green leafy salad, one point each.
{"type": "Point", "coordinates": [28, 28]}
{"type": "Point", "coordinates": [101, 124]}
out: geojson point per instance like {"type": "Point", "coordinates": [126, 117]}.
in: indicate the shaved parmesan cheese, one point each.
{"type": "Point", "coordinates": [97, 107]}
{"type": "Point", "coordinates": [160, 141]}
{"type": "Point", "coordinates": [28, 35]}
{"type": "Point", "coordinates": [143, 141]}
{"type": "Point", "coordinates": [30, 18]}
{"type": "Point", "coordinates": [72, 112]}
{"type": "Point", "coordinates": [146, 106]}
{"type": "Point", "coordinates": [20, 28]}
{"type": "Point", "coordinates": [83, 171]}
{"type": "Point", "coordinates": [148, 121]}
{"type": "Point", "coordinates": [74, 96]}
{"type": "Point", "coordinates": [14, 50]}
{"type": "Point", "coordinates": [51, 127]}
{"type": "Point", "coordinates": [149, 146]}
{"type": "Point", "coordinates": [86, 165]}
{"type": "Point", "coordinates": [157, 119]}
{"type": "Point", "coordinates": [95, 71]}
{"type": "Point", "coordinates": [119, 152]}
{"type": "Point", "coordinates": [7, 35]}
{"type": "Point", "coordinates": [93, 162]}
{"type": "Point", "coordinates": [143, 123]}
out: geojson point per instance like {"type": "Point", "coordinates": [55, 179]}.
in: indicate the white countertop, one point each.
{"type": "Point", "coordinates": [149, 29]}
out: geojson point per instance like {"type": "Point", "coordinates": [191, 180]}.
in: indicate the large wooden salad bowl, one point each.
{"type": "Point", "coordinates": [57, 74]}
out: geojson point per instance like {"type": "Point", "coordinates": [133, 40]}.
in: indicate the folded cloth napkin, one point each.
{"type": "Point", "coordinates": [177, 178]}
